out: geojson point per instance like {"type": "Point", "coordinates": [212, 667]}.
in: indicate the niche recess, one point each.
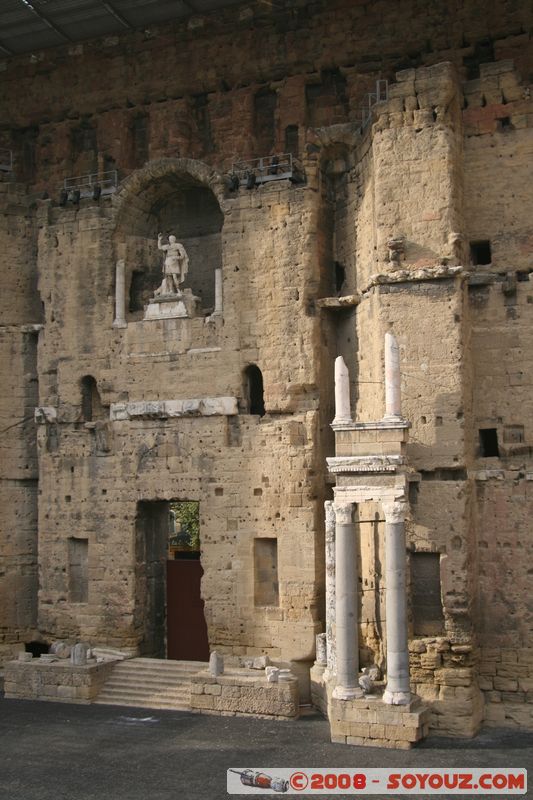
{"type": "Point", "coordinates": [91, 402]}
{"type": "Point", "coordinates": [428, 616]}
{"type": "Point", "coordinates": [266, 584]}
{"type": "Point", "coordinates": [179, 204]}
{"type": "Point", "coordinates": [254, 391]}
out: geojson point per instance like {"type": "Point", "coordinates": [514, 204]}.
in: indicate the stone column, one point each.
{"type": "Point", "coordinates": [120, 294]}
{"type": "Point", "coordinates": [330, 587]}
{"type": "Point", "coordinates": [346, 587]}
{"type": "Point", "coordinates": [398, 690]}
{"type": "Point", "coordinates": [218, 293]}
{"type": "Point", "coordinates": [392, 378]}
{"type": "Point", "coordinates": [343, 414]}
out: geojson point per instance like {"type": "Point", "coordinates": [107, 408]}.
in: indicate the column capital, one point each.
{"type": "Point", "coordinates": [343, 512]}
{"type": "Point", "coordinates": [395, 510]}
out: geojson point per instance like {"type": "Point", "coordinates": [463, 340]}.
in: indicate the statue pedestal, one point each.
{"type": "Point", "coordinates": [172, 306]}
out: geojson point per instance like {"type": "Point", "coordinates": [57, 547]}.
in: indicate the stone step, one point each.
{"type": "Point", "coordinates": [150, 683]}
{"type": "Point", "coordinates": [146, 686]}
{"type": "Point", "coordinates": [141, 694]}
{"type": "Point", "coordinates": [141, 686]}
{"type": "Point", "coordinates": [132, 665]}
{"type": "Point", "coordinates": [168, 662]}
{"type": "Point", "coordinates": [163, 675]}
{"type": "Point", "coordinates": [166, 706]}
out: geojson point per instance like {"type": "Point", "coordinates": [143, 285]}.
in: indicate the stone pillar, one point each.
{"type": "Point", "coordinates": [330, 587]}
{"type": "Point", "coordinates": [120, 294]}
{"type": "Point", "coordinates": [398, 690]}
{"type": "Point", "coordinates": [218, 293]}
{"type": "Point", "coordinates": [346, 587]}
{"type": "Point", "coordinates": [343, 414]}
{"type": "Point", "coordinates": [393, 408]}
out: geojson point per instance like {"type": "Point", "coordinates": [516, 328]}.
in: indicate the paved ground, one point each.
{"type": "Point", "coordinates": [53, 751]}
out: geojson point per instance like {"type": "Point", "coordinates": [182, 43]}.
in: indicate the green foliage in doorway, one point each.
{"type": "Point", "coordinates": [187, 513]}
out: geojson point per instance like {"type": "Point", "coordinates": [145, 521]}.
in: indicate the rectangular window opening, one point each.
{"type": "Point", "coordinates": [426, 602]}
{"type": "Point", "coordinates": [488, 443]}
{"type": "Point", "coordinates": [480, 253]}
{"type": "Point", "coordinates": [78, 574]}
{"type": "Point", "coordinates": [266, 585]}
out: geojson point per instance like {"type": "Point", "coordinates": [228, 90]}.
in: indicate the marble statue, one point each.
{"type": "Point", "coordinates": [175, 266]}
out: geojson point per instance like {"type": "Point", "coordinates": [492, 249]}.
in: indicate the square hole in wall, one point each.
{"type": "Point", "coordinates": [488, 443]}
{"type": "Point", "coordinates": [480, 252]}
{"type": "Point", "coordinates": [504, 124]}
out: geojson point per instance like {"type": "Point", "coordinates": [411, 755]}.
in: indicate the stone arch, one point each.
{"type": "Point", "coordinates": [173, 196]}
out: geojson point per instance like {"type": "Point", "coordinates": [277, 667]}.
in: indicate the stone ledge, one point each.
{"type": "Point", "coordinates": [162, 409]}
{"type": "Point", "coordinates": [347, 301]}
{"type": "Point", "coordinates": [414, 275]}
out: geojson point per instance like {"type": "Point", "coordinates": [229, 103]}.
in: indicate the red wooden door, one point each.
{"type": "Point", "coordinates": [186, 627]}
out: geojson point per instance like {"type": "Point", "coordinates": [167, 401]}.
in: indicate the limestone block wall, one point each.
{"type": "Point", "coordinates": [253, 477]}
{"type": "Point", "coordinates": [19, 315]}
{"type": "Point", "coordinates": [268, 262]}
{"type": "Point", "coordinates": [445, 162]}
{"type": "Point", "coordinates": [502, 401]}
{"type": "Point", "coordinates": [416, 147]}
{"type": "Point", "coordinates": [241, 496]}
{"type": "Point", "coordinates": [55, 682]}
{"type": "Point", "coordinates": [19, 302]}
{"type": "Point", "coordinates": [237, 692]}
{"type": "Point", "coordinates": [207, 109]}
{"type": "Point", "coordinates": [498, 120]}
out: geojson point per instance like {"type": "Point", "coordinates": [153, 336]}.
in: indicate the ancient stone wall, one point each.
{"type": "Point", "coordinates": [502, 400]}
{"type": "Point", "coordinates": [254, 477]}
{"type": "Point", "coordinates": [418, 222]}
{"type": "Point", "coordinates": [19, 328]}
{"type": "Point", "coordinates": [206, 108]}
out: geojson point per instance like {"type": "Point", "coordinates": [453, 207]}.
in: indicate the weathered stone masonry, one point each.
{"type": "Point", "coordinates": [443, 172]}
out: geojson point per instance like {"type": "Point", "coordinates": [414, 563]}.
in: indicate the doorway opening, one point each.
{"type": "Point", "coordinates": [169, 606]}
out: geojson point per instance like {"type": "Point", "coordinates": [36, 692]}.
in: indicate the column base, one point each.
{"type": "Point", "coordinates": [341, 422]}
{"type": "Point", "coordinates": [396, 698]}
{"type": "Point", "coordinates": [347, 693]}
{"type": "Point", "coordinates": [119, 323]}
{"type": "Point", "coordinates": [371, 723]}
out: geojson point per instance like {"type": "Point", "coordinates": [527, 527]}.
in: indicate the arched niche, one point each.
{"type": "Point", "coordinates": [173, 196]}
{"type": "Point", "coordinates": [254, 390]}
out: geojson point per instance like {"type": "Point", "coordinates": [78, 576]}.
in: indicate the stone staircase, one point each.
{"type": "Point", "coordinates": [150, 683]}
